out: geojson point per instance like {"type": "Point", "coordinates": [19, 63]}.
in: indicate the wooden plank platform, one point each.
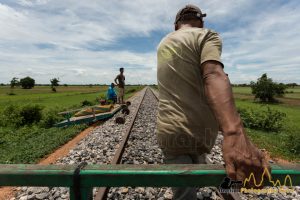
{"type": "Point", "coordinates": [88, 118]}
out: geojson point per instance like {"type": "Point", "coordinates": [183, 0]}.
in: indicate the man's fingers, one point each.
{"type": "Point", "coordinates": [240, 175]}
{"type": "Point", "coordinates": [230, 170]}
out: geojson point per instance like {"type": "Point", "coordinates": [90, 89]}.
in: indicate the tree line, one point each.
{"type": "Point", "coordinates": [264, 89]}
{"type": "Point", "coordinates": [28, 83]}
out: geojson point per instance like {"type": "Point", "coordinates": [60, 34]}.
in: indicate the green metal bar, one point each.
{"type": "Point", "coordinates": [72, 193]}
{"type": "Point", "coordinates": [36, 175]}
{"type": "Point", "coordinates": [126, 175]}
{"type": "Point", "coordinates": [86, 193]}
{"type": "Point", "coordinates": [168, 175]}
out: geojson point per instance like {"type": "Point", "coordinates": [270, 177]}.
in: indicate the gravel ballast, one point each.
{"type": "Point", "coordinates": [98, 147]}
{"type": "Point", "coordinates": [142, 148]}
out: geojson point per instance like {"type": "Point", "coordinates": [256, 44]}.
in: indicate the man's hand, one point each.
{"type": "Point", "coordinates": [241, 157]}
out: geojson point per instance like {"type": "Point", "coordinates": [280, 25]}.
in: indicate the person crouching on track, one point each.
{"type": "Point", "coordinates": [121, 85]}
{"type": "Point", "coordinates": [111, 94]}
{"type": "Point", "coordinates": [195, 99]}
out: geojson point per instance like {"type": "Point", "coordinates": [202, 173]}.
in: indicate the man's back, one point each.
{"type": "Point", "coordinates": [185, 122]}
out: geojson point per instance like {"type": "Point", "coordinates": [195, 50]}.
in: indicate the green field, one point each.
{"type": "Point", "coordinates": [65, 97]}
{"type": "Point", "coordinates": [29, 143]}
{"type": "Point", "coordinates": [247, 91]}
{"type": "Point", "coordinates": [279, 144]}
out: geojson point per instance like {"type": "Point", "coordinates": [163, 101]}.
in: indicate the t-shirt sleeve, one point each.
{"type": "Point", "coordinates": [212, 48]}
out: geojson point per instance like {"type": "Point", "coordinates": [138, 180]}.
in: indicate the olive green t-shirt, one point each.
{"type": "Point", "coordinates": [185, 123]}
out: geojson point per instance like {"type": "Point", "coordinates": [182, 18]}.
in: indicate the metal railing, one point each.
{"type": "Point", "coordinates": [82, 179]}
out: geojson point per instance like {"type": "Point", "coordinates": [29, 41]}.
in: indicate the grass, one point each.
{"type": "Point", "coordinates": [247, 91]}
{"type": "Point", "coordinates": [65, 97]}
{"type": "Point", "coordinates": [278, 144]}
{"type": "Point", "coordinates": [30, 143]}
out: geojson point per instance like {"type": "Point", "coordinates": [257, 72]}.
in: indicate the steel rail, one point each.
{"type": "Point", "coordinates": [102, 192]}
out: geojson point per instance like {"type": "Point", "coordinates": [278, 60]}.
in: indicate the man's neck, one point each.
{"type": "Point", "coordinates": [184, 26]}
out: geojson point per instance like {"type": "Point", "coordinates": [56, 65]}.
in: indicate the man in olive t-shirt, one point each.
{"type": "Point", "coordinates": [195, 101]}
{"type": "Point", "coordinates": [120, 81]}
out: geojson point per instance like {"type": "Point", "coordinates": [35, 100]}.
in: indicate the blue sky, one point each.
{"type": "Point", "coordinates": [84, 42]}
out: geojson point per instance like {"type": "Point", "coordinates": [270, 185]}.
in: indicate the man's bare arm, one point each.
{"type": "Point", "coordinates": [240, 155]}
{"type": "Point", "coordinates": [116, 81]}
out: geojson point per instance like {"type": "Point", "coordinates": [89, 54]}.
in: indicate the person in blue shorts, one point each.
{"type": "Point", "coordinates": [111, 94]}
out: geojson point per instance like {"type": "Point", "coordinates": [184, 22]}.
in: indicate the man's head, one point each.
{"type": "Point", "coordinates": [112, 85]}
{"type": "Point", "coordinates": [189, 16]}
{"type": "Point", "coordinates": [121, 70]}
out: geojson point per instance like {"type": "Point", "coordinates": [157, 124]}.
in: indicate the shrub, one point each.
{"type": "Point", "coordinates": [263, 119]}
{"type": "Point", "coordinates": [11, 94]}
{"type": "Point", "coordinates": [293, 143]}
{"type": "Point", "coordinates": [50, 117]}
{"type": "Point", "coordinates": [86, 103]}
{"type": "Point", "coordinates": [31, 114]}
{"type": "Point", "coordinates": [11, 116]}
{"type": "Point", "coordinates": [15, 115]}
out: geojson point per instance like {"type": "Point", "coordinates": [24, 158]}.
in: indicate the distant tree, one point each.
{"type": "Point", "coordinates": [54, 83]}
{"type": "Point", "coordinates": [292, 85]}
{"type": "Point", "coordinates": [14, 82]}
{"type": "Point", "coordinates": [265, 89]}
{"type": "Point", "coordinates": [27, 82]}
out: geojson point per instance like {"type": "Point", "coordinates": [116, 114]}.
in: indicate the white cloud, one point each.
{"type": "Point", "coordinates": [268, 44]}
{"type": "Point", "coordinates": [32, 2]}
{"type": "Point", "coordinates": [52, 38]}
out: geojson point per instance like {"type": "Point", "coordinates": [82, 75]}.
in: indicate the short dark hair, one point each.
{"type": "Point", "coordinates": [121, 68]}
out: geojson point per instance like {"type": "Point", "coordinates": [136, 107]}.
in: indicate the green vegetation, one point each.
{"type": "Point", "coordinates": [66, 97]}
{"type": "Point", "coordinates": [290, 92]}
{"type": "Point", "coordinates": [265, 89]}
{"type": "Point", "coordinates": [27, 82]}
{"type": "Point", "coordinates": [262, 119]}
{"type": "Point", "coordinates": [30, 143]}
{"type": "Point", "coordinates": [271, 126]}
{"type": "Point", "coordinates": [14, 82]}
{"type": "Point", "coordinates": [282, 142]}
{"type": "Point", "coordinates": [27, 118]}
{"type": "Point", "coordinates": [54, 83]}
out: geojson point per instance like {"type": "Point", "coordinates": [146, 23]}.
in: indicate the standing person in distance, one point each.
{"type": "Point", "coordinates": [120, 81]}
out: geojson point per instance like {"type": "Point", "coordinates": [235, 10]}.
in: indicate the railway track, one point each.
{"type": "Point", "coordinates": [139, 146]}
{"type": "Point", "coordinates": [131, 143]}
